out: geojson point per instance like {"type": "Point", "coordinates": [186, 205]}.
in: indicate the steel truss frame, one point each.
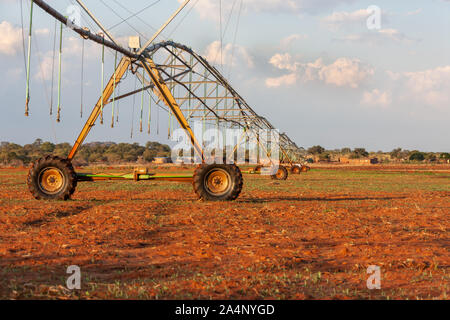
{"type": "Point", "coordinates": [191, 88]}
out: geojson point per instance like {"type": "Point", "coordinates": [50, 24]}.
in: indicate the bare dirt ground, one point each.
{"type": "Point", "coordinates": [310, 237]}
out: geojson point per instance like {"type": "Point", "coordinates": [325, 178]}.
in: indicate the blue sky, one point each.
{"type": "Point", "coordinates": [312, 67]}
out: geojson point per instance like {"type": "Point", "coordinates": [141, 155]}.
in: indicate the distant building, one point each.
{"type": "Point", "coordinates": [162, 160]}
{"type": "Point", "coordinates": [361, 161]}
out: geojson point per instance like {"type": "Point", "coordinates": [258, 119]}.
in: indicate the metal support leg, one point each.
{"type": "Point", "coordinates": [107, 92]}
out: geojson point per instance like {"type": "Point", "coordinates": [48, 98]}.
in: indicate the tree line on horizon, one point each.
{"type": "Point", "coordinates": [90, 153]}
{"type": "Point", "coordinates": [12, 154]}
{"type": "Point", "coordinates": [397, 154]}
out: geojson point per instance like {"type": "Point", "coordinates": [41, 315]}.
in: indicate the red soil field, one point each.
{"type": "Point", "coordinates": [310, 237]}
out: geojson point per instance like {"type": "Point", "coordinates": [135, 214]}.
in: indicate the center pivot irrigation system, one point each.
{"type": "Point", "coordinates": [191, 90]}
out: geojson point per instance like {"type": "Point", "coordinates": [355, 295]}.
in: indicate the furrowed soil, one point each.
{"type": "Point", "coordinates": [310, 237]}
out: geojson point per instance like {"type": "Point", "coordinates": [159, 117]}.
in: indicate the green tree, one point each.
{"type": "Point", "coordinates": [431, 157]}
{"type": "Point", "coordinates": [417, 156]}
{"type": "Point", "coordinates": [396, 153]}
{"type": "Point", "coordinates": [316, 150]}
{"type": "Point", "coordinates": [47, 147]}
{"type": "Point", "coordinates": [149, 155]}
{"type": "Point", "coordinates": [445, 156]}
{"type": "Point", "coordinates": [325, 156]}
{"type": "Point", "coordinates": [37, 142]}
{"type": "Point", "coordinates": [359, 153]}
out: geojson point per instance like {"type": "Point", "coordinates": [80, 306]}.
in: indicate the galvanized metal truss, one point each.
{"type": "Point", "coordinates": [193, 91]}
{"type": "Point", "coordinates": [191, 88]}
{"type": "Point", "coordinates": [204, 95]}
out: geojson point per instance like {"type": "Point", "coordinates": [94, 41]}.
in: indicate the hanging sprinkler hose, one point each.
{"type": "Point", "coordinates": [149, 111]}
{"type": "Point", "coordinates": [103, 76]}
{"type": "Point", "coordinates": [58, 116]}
{"type": "Point", "coordinates": [142, 100]}
{"type": "Point", "coordinates": [82, 77]}
{"type": "Point", "coordinates": [27, 94]}
{"type": "Point", "coordinates": [114, 90]}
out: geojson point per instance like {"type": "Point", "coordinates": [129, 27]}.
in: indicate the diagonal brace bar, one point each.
{"type": "Point", "coordinates": [107, 92]}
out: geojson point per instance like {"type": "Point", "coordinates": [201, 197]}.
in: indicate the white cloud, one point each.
{"type": "Point", "coordinates": [229, 55]}
{"type": "Point", "coordinates": [287, 41]}
{"type": "Point", "coordinates": [209, 9]}
{"type": "Point", "coordinates": [343, 72]}
{"type": "Point", "coordinates": [283, 62]}
{"type": "Point", "coordinates": [376, 98]}
{"type": "Point", "coordinates": [45, 68]}
{"type": "Point", "coordinates": [430, 86]}
{"type": "Point", "coordinates": [377, 37]}
{"type": "Point", "coordinates": [393, 75]}
{"type": "Point", "coordinates": [392, 34]}
{"type": "Point", "coordinates": [286, 80]}
{"type": "Point", "coordinates": [10, 40]}
{"type": "Point", "coordinates": [338, 19]}
{"type": "Point", "coordinates": [71, 57]}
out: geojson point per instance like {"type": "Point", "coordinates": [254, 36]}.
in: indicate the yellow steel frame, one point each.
{"type": "Point", "coordinates": [171, 102]}
{"type": "Point", "coordinates": [107, 92]}
{"type": "Point", "coordinates": [161, 89]}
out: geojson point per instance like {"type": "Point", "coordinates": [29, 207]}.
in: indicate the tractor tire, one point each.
{"type": "Point", "coordinates": [218, 182]}
{"type": "Point", "coordinates": [52, 178]}
{"type": "Point", "coordinates": [282, 174]}
{"type": "Point", "coordinates": [305, 169]}
{"type": "Point", "coordinates": [296, 169]}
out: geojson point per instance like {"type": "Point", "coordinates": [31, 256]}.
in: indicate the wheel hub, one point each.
{"type": "Point", "coordinates": [279, 174]}
{"type": "Point", "coordinates": [218, 182]}
{"type": "Point", "coordinates": [51, 180]}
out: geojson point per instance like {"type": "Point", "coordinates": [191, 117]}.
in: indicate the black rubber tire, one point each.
{"type": "Point", "coordinates": [232, 171]}
{"type": "Point", "coordinates": [283, 174]}
{"type": "Point", "coordinates": [64, 166]}
{"type": "Point", "coordinates": [305, 168]}
{"type": "Point", "coordinates": [296, 169]}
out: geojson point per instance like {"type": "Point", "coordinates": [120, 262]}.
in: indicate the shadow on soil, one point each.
{"type": "Point", "coordinates": [58, 214]}
{"type": "Point", "coordinates": [263, 200]}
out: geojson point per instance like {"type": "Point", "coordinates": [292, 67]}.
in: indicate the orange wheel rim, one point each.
{"type": "Point", "coordinates": [218, 182]}
{"type": "Point", "coordinates": [51, 180]}
{"type": "Point", "coordinates": [280, 174]}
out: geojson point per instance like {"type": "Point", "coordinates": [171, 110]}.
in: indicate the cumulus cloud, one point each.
{"type": "Point", "coordinates": [10, 40]}
{"type": "Point", "coordinates": [339, 19]}
{"type": "Point", "coordinates": [283, 62]}
{"type": "Point", "coordinates": [209, 9]}
{"type": "Point", "coordinates": [376, 98]}
{"type": "Point", "coordinates": [71, 55]}
{"type": "Point", "coordinates": [45, 68]}
{"type": "Point", "coordinates": [343, 72]}
{"type": "Point", "coordinates": [231, 55]}
{"type": "Point", "coordinates": [377, 37]}
{"type": "Point", "coordinates": [289, 40]}
{"type": "Point", "coordinates": [420, 88]}
{"type": "Point", "coordinates": [430, 86]}
{"type": "Point", "coordinates": [286, 80]}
